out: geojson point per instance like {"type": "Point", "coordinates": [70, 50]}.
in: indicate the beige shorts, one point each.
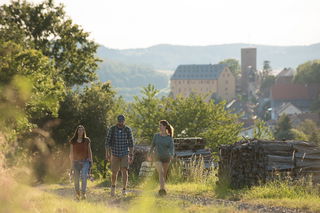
{"type": "Point", "coordinates": [117, 163]}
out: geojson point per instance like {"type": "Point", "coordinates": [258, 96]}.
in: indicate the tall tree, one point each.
{"type": "Point", "coordinates": [283, 129]}
{"type": "Point", "coordinates": [308, 72]}
{"type": "Point", "coordinates": [45, 27]}
{"type": "Point", "coordinates": [311, 130]}
{"type": "Point", "coordinates": [37, 75]}
{"type": "Point", "coordinates": [233, 65]}
{"type": "Point", "coordinates": [145, 113]}
{"type": "Point", "coordinates": [266, 68]}
{"type": "Point", "coordinates": [191, 117]}
{"type": "Point", "coordinates": [262, 131]}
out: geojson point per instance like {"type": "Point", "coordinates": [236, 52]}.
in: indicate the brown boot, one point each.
{"type": "Point", "coordinates": [83, 196]}
{"type": "Point", "coordinates": [77, 195]}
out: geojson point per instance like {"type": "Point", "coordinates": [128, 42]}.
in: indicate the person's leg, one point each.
{"type": "Point", "coordinates": [115, 167]}
{"type": "Point", "coordinates": [165, 170]}
{"type": "Point", "coordinates": [76, 169]}
{"type": "Point", "coordinates": [159, 168]}
{"type": "Point", "coordinates": [124, 171]}
{"type": "Point", "coordinates": [84, 178]}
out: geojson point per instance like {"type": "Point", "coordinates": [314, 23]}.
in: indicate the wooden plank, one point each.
{"type": "Point", "coordinates": [306, 155]}
{"type": "Point", "coordinates": [280, 166]}
{"type": "Point", "coordinates": [280, 159]}
{"type": "Point", "coordinates": [306, 164]}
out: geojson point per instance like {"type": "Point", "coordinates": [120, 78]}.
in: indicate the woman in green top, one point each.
{"type": "Point", "coordinates": [163, 150]}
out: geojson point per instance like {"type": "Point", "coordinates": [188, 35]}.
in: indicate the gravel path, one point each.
{"type": "Point", "coordinates": [237, 204]}
{"type": "Point", "coordinates": [101, 195]}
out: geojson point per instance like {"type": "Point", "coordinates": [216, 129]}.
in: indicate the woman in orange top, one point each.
{"type": "Point", "coordinates": [81, 158]}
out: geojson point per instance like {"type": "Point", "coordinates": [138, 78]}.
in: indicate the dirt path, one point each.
{"type": "Point", "coordinates": [101, 195]}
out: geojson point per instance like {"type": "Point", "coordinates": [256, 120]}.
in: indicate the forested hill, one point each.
{"type": "Point", "coordinates": [168, 57]}
{"type": "Point", "coordinates": [128, 79]}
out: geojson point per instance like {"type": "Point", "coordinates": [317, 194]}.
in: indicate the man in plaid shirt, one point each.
{"type": "Point", "coordinates": [119, 150]}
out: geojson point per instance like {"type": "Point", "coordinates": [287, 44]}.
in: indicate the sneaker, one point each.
{"type": "Point", "coordinates": [113, 191]}
{"type": "Point", "coordinates": [162, 192]}
{"type": "Point", "coordinates": [124, 192]}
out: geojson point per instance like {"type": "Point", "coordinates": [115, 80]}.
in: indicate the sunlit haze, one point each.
{"type": "Point", "coordinates": [125, 24]}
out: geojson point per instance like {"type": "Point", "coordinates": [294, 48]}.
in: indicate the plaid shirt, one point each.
{"type": "Point", "coordinates": [123, 139]}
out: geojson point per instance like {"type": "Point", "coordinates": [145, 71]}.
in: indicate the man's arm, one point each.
{"type": "Point", "coordinates": [130, 145]}
{"type": "Point", "coordinates": [108, 144]}
{"type": "Point", "coordinates": [130, 141]}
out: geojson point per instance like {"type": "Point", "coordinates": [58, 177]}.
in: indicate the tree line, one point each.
{"type": "Point", "coordinates": [48, 85]}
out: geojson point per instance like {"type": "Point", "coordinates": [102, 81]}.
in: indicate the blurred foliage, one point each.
{"type": "Point", "coordinates": [191, 117]}
{"type": "Point", "coordinates": [233, 65]}
{"type": "Point", "coordinates": [308, 130]}
{"type": "Point", "coordinates": [308, 72]}
{"type": "Point", "coordinates": [283, 128]}
{"type": "Point", "coordinates": [262, 131]}
{"type": "Point", "coordinates": [46, 28]}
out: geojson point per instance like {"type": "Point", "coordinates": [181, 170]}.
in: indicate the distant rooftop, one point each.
{"type": "Point", "coordinates": [198, 72]}
{"type": "Point", "coordinates": [287, 72]}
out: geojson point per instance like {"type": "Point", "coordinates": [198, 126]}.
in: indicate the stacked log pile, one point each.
{"type": "Point", "coordinates": [251, 162]}
{"type": "Point", "coordinates": [140, 155]}
{"type": "Point", "coordinates": [186, 149]}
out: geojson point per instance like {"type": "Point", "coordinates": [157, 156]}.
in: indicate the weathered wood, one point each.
{"type": "Point", "coordinates": [250, 162]}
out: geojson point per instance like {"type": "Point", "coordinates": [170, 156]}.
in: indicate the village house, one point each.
{"type": "Point", "coordinates": [210, 80]}
{"type": "Point", "coordinates": [285, 90]}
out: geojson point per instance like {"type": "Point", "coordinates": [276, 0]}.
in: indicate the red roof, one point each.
{"type": "Point", "coordinates": [289, 91]}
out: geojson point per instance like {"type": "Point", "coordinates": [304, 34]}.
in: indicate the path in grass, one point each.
{"type": "Point", "coordinates": [190, 203]}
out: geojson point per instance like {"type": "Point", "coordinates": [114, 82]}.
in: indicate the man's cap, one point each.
{"type": "Point", "coordinates": [121, 118]}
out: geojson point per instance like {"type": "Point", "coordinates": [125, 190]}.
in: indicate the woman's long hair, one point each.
{"type": "Point", "coordinates": [168, 126]}
{"type": "Point", "coordinates": [75, 135]}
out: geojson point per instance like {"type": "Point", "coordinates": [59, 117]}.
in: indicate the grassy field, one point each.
{"type": "Point", "coordinates": [18, 196]}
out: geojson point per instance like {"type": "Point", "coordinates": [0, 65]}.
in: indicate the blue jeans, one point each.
{"type": "Point", "coordinates": [81, 168]}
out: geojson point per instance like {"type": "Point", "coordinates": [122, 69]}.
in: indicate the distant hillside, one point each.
{"type": "Point", "coordinates": [168, 57]}
{"type": "Point", "coordinates": [128, 79]}
{"type": "Point", "coordinates": [130, 70]}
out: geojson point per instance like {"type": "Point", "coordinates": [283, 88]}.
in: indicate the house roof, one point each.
{"type": "Point", "coordinates": [285, 106]}
{"type": "Point", "coordinates": [198, 72]}
{"type": "Point", "coordinates": [286, 72]}
{"type": "Point", "coordinates": [289, 91]}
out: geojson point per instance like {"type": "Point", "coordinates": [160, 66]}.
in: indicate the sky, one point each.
{"type": "Point", "coordinates": [124, 24]}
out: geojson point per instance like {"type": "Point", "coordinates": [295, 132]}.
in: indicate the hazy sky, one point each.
{"type": "Point", "coordinates": [142, 23]}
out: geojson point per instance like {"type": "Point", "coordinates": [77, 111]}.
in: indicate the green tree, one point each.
{"type": "Point", "coordinates": [262, 131]}
{"type": "Point", "coordinates": [311, 130]}
{"type": "Point", "coordinates": [41, 88]}
{"type": "Point", "coordinates": [283, 129]}
{"type": "Point", "coordinates": [299, 135]}
{"type": "Point", "coordinates": [145, 114]}
{"type": "Point", "coordinates": [308, 72]}
{"type": "Point", "coordinates": [91, 107]}
{"type": "Point", "coordinates": [97, 102]}
{"type": "Point", "coordinates": [266, 85]}
{"type": "Point", "coordinates": [233, 65]}
{"type": "Point", "coordinates": [45, 27]}
{"type": "Point", "coordinates": [266, 68]}
{"type": "Point", "coordinates": [267, 80]}
{"type": "Point", "coordinates": [191, 117]}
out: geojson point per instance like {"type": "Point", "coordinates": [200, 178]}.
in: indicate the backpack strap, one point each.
{"type": "Point", "coordinates": [113, 134]}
